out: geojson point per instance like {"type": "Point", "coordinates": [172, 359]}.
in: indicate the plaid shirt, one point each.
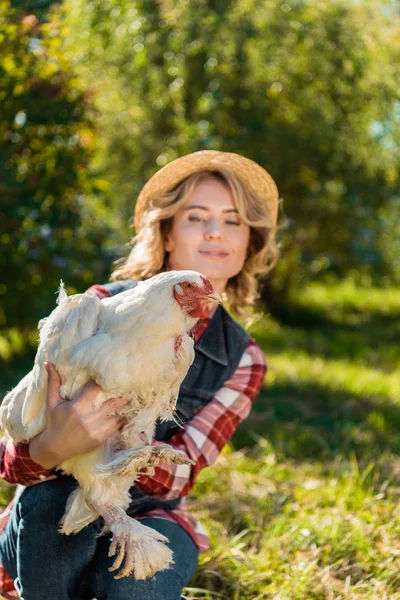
{"type": "Point", "coordinates": [202, 439]}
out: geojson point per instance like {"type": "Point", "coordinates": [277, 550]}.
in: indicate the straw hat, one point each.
{"type": "Point", "coordinates": [248, 171]}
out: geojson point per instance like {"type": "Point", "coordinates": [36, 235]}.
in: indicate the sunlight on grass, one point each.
{"type": "Point", "coordinates": [297, 530]}
{"type": "Point", "coordinates": [347, 297]}
{"type": "Point", "coordinates": [334, 375]}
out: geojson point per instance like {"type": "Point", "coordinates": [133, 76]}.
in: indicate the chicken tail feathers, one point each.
{"type": "Point", "coordinates": [77, 514]}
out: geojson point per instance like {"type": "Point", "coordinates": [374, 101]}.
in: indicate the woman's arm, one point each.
{"type": "Point", "coordinates": [73, 427]}
{"type": "Point", "coordinates": [204, 436]}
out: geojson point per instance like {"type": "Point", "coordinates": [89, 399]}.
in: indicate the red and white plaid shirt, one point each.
{"type": "Point", "coordinates": [202, 439]}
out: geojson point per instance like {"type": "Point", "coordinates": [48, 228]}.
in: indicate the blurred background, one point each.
{"type": "Point", "coordinates": [95, 96]}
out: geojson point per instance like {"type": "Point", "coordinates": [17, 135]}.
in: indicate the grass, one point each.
{"type": "Point", "coordinates": [304, 504]}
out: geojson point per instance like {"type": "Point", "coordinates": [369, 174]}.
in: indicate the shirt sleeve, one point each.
{"type": "Point", "coordinates": [204, 436]}
{"type": "Point", "coordinates": [17, 466]}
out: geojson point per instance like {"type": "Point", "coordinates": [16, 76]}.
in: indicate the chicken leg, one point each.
{"type": "Point", "coordinates": [130, 462]}
{"type": "Point", "coordinates": [141, 548]}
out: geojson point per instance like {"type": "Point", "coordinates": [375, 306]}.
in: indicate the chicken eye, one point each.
{"type": "Point", "coordinates": [189, 285]}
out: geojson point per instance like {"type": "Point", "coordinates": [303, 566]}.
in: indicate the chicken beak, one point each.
{"type": "Point", "coordinates": [214, 297]}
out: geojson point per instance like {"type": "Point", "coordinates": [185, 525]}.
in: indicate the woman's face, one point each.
{"type": "Point", "coordinates": [208, 235]}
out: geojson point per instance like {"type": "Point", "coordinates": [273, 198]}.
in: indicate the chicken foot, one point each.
{"type": "Point", "coordinates": [131, 461]}
{"type": "Point", "coordinates": [140, 549]}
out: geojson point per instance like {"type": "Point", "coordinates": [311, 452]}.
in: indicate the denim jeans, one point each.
{"type": "Point", "coordinates": [47, 565]}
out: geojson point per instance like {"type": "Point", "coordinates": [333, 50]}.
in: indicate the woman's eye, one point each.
{"type": "Point", "coordinates": [199, 219]}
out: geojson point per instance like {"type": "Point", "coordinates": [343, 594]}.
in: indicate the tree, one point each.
{"type": "Point", "coordinates": [309, 90]}
{"type": "Point", "coordinates": [51, 226]}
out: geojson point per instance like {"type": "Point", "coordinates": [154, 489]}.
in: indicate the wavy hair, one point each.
{"type": "Point", "coordinates": [148, 256]}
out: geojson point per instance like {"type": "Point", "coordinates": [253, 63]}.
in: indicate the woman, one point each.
{"type": "Point", "coordinates": [212, 212]}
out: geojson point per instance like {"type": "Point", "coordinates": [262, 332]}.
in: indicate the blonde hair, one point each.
{"type": "Point", "coordinates": [148, 256]}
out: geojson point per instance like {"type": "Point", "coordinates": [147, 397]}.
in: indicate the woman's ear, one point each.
{"type": "Point", "coordinates": [168, 244]}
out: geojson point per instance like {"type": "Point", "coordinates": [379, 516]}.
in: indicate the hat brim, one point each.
{"type": "Point", "coordinates": [257, 179]}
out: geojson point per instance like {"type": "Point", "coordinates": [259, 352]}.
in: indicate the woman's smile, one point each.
{"type": "Point", "coordinates": [213, 253]}
{"type": "Point", "coordinates": [208, 235]}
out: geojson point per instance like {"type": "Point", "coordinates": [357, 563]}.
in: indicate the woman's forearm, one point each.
{"type": "Point", "coordinates": [42, 454]}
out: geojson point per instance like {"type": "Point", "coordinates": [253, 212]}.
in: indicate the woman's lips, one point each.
{"type": "Point", "coordinates": [213, 253]}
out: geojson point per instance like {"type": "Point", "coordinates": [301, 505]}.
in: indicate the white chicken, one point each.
{"type": "Point", "coordinates": [133, 345]}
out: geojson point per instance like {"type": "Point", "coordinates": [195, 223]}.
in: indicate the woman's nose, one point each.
{"type": "Point", "coordinates": [213, 231]}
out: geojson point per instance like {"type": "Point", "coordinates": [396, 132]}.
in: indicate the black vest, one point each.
{"type": "Point", "coordinates": [217, 355]}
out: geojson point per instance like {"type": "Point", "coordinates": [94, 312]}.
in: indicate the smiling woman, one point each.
{"type": "Point", "coordinates": [223, 215]}
{"type": "Point", "coordinates": [208, 234]}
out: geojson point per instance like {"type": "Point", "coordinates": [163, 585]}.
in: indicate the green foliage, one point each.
{"type": "Point", "coordinates": [307, 89]}
{"type": "Point", "coordinates": [102, 94]}
{"type": "Point", "coordinates": [51, 227]}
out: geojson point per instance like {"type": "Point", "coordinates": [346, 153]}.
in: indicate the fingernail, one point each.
{"type": "Point", "coordinates": [46, 366]}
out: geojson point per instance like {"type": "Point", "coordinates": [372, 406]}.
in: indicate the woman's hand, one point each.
{"type": "Point", "coordinates": [73, 427]}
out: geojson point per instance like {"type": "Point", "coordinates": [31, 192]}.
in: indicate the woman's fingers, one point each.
{"type": "Point", "coordinates": [53, 386]}
{"type": "Point", "coordinates": [113, 425]}
{"type": "Point", "coordinates": [108, 422]}
{"type": "Point", "coordinates": [106, 428]}
{"type": "Point", "coordinates": [113, 405]}
{"type": "Point", "coordinates": [75, 427]}
{"type": "Point", "coordinates": [84, 402]}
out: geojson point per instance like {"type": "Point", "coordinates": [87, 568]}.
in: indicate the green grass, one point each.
{"type": "Point", "coordinates": [304, 504]}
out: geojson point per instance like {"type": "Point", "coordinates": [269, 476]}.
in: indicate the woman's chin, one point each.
{"type": "Point", "coordinates": [213, 270]}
